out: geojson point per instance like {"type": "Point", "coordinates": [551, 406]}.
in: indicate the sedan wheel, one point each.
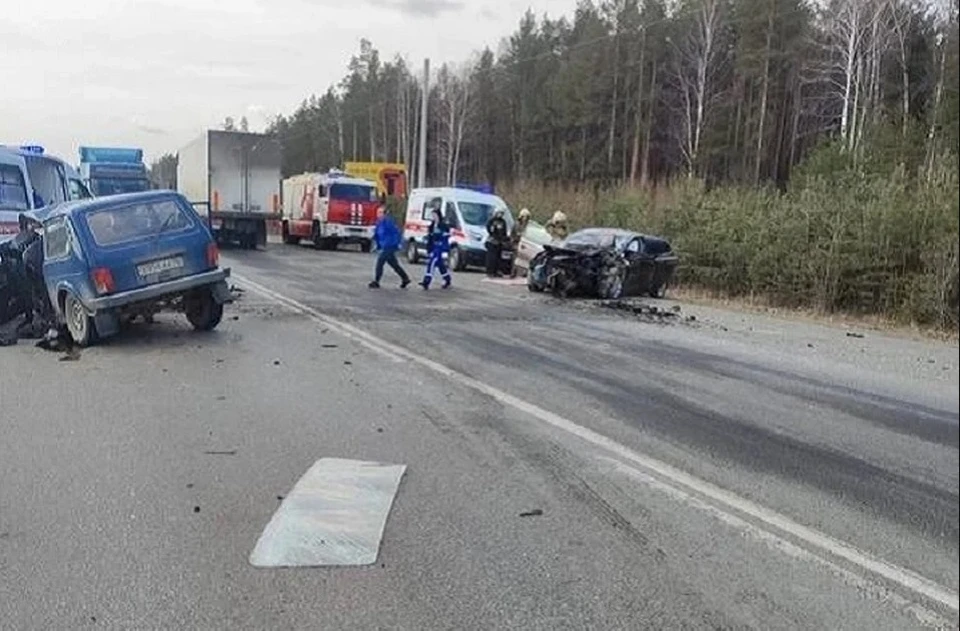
{"type": "Point", "coordinates": [611, 285]}
{"type": "Point", "coordinates": [79, 324]}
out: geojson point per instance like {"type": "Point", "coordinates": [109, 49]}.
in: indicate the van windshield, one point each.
{"type": "Point", "coordinates": [13, 190]}
{"type": "Point", "coordinates": [47, 178]}
{"type": "Point", "coordinates": [478, 213]}
{"type": "Point", "coordinates": [475, 213]}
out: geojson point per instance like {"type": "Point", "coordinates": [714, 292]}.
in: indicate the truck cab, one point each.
{"type": "Point", "coordinates": [113, 171]}
{"type": "Point", "coordinates": [329, 209]}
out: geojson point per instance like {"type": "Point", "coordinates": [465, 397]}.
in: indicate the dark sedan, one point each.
{"type": "Point", "coordinates": [604, 263]}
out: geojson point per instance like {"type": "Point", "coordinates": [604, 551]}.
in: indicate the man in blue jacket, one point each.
{"type": "Point", "coordinates": [387, 238]}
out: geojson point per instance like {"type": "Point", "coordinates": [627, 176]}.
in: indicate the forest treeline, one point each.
{"type": "Point", "coordinates": [802, 152]}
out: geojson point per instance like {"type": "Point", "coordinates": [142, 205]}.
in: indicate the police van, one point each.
{"type": "Point", "coordinates": [466, 213]}
{"type": "Point", "coordinates": [30, 180]}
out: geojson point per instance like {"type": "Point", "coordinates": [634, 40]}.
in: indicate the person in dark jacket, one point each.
{"type": "Point", "coordinates": [438, 244]}
{"type": "Point", "coordinates": [497, 237]}
{"type": "Point", "coordinates": [387, 239]}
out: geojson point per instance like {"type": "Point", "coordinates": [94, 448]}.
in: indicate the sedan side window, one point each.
{"type": "Point", "coordinates": [633, 247]}
{"type": "Point", "coordinates": [56, 239]}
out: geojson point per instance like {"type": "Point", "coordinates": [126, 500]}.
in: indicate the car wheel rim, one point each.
{"type": "Point", "coordinates": [78, 319]}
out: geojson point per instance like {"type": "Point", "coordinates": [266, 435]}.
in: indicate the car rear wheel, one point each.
{"type": "Point", "coordinates": [412, 255]}
{"type": "Point", "coordinates": [79, 324]}
{"type": "Point", "coordinates": [203, 312]}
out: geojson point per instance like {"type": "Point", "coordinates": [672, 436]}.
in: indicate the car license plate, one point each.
{"type": "Point", "coordinates": [506, 256]}
{"type": "Point", "coordinates": [160, 266]}
{"type": "Point", "coordinates": [216, 224]}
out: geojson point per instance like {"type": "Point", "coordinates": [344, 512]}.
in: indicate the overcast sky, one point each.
{"type": "Point", "coordinates": [156, 73]}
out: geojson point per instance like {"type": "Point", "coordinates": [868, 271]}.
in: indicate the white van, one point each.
{"type": "Point", "coordinates": [465, 211]}
{"type": "Point", "coordinates": [30, 181]}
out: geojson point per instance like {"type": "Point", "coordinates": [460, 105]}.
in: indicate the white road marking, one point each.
{"type": "Point", "coordinates": [334, 515]}
{"type": "Point", "coordinates": [776, 524]}
{"type": "Point", "coordinates": [504, 281]}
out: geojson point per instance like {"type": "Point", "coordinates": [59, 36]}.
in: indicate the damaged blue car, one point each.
{"type": "Point", "coordinates": [107, 260]}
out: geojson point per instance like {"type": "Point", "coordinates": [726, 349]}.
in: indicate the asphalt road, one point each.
{"type": "Point", "coordinates": [725, 472]}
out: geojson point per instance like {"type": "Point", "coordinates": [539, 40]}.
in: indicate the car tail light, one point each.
{"type": "Point", "coordinates": [213, 255]}
{"type": "Point", "coordinates": [103, 280]}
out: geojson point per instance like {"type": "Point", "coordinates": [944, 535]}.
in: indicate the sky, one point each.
{"type": "Point", "coordinates": [156, 73]}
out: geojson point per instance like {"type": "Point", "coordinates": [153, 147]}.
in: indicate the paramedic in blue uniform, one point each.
{"type": "Point", "coordinates": [387, 238]}
{"type": "Point", "coordinates": [438, 244]}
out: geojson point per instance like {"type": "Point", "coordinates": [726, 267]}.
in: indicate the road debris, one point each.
{"type": "Point", "coordinates": [645, 311]}
{"type": "Point", "coordinates": [854, 334]}
{"type": "Point", "coordinates": [536, 512]}
{"type": "Point", "coordinates": [328, 346]}
{"type": "Point", "coordinates": [72, 355]}
{"type": "Point", "coordinates": [226, 452]}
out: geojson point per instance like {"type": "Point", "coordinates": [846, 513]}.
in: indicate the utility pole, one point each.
{"type": "Point", "coordinates": [422, 163]}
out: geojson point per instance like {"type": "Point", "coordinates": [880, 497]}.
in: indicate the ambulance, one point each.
{"type": "Point", "coordinates": [466, 213]}
{"type": "Point", "coordinates": [329, 209]}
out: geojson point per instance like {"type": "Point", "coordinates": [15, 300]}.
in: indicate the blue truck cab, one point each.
{"type": "Point", "coordinates": [123, 256]}
{"type": "Point", "coordinates": [113, 170]}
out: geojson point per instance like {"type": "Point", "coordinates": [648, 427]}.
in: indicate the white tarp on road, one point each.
{"type": "Point", "coordinates": [335, 515]}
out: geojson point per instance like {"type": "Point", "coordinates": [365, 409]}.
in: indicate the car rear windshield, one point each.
{"type": "Point", "coordinates": [133, 221]}
{"type": "Point", "coordinates": [353, 192]}
{"type": "Point", "coordinates": [13, 190]}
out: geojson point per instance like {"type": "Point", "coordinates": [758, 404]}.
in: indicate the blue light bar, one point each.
{"type": "Point", "coordinates": [37, 149]}
{"type": "Point", "coordinates": [111, 154]}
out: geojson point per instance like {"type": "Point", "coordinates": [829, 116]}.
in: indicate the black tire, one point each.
{"type": "Point", "coordinates": [611, 286]}
{"type": "Point", "coordinates": [456, 260]}
{"type": "Point", "coordinates": [289, 239]}
{"type": "Point", "coordinates": [203, 312]}
{"type": "Point", "coordinates": [658, 291]}
{"type": "Point", "coordinates": [413, 256]}
{"type": "Point", "coordinates": [80, 326]}
{"type": "Point", "coordinates": [366, 246]}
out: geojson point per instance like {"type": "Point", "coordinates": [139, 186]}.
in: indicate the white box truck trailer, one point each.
{"type": "Point", "coordinates": [233, 179]}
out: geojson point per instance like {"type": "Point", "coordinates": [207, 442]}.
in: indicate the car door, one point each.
{"type": "Point", "coordinates": [64, 264]}
{"type": "Point", "coordinates": [452, 218]}
{"type": "Point", "coordinates": [639, 267]}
